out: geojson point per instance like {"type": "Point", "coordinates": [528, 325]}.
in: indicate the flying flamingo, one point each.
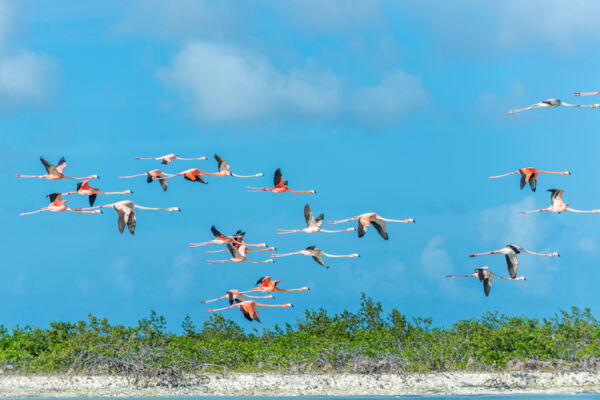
{"type": "Point", "coordinates": [486, 276]}
{"type": "Point", "coordinates": [239, 241]}
{"type": "Point", "coordinates": [530, 175]}
{"type": "Point", "coordinates": [59, 205]}
{"type": "Point", "coordinates": [313, 224]}
{"type": "Point", "coordinates": [269, 286]}
{"type": "Point", "coordinates": [248, 308]}
{"type": "Point", "coordinates": [224, 239]}
{"type": "Point", "coordinates": [238, 254]}
{"type": "Point", "coordinates": [551, 103]}
{"type": "Point", "coordinates": [585, 93]}
{"type": "Point", "coordinates": [168, 158]}
{"type": "Point", "coordinates": [558, 205]}
{"type": "Point", "coordinates": [366, 219]}
{"type": "Point", "coordinates": [280, 186]}
{"type": "Point", "coordinates": [510, 252]}
{"type": "Point", "coordinates": [316, 254]}
{"type": "Point", "coordinates": [193, 175]}
{"type": "Point", "coordinates": [235, 296]}
{"type": "Point", "coordinates": [55, 172]}
{"type": "Point", "coordinates": [84, 189]}
{"type": "Point", "coordinates": [153, 175]}
{"type": "Point", "coordinates": [225, 171]}
{"type": "Point", "coordinates": [127, 213]}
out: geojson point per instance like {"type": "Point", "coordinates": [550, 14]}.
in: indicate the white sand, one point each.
{"type": "Point", "coordinates": [266, 384]}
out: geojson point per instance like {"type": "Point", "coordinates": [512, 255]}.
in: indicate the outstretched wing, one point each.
{"type": "Point", "coordinates": [247, 315]}
{"type": "Point", "coordinates": [221, 164]}
{"type": "Point", "coordinates": [278, 178]}
{"type": "Point", "coordinates": [122, 218]}
{"type": "Point", "coordinates": [362, 229]}
{"type": "Point", "coordinates": [50, 168]}
{"type": "Point", "coordinates": [487, 285]}
{"type": "Point", "coordinates": [132, 221]}
{"type": "Point", "coordinates": [319, 258]}
{"type": "Point", "coordinates": [533, 182]}
{"type": "Point", "coordinates": [232, 250]}
{"type": "Point", "coordinates": [556, 196]}
{"type": "Point", "coordinates": [512, 263]}
{"type": "Point", "coordinates": [523, 178]}
{"type": "Point", "coordinates": [215, 231]}
{"type": "Point", "coordinates": [381, 228]}
{"type": "Point", "coordinates": [62, 164]}
{"type": "Point", "coordinates": [308, 215]}
{"type": "Point", "coordinates": [263, 279]}
{"type": "Point", "coordinates": [92, 199]}
{"type": "Point", "coordinates": [54, 196]}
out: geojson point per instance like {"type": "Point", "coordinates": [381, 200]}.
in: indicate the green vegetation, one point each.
{"type": "Point", "coordinates": [366, 341]}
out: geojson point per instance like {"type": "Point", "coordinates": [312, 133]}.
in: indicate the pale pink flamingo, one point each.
{"type": "Point", "coordinates": [84, 189]}
{"type": "Point", "coordinates": [55, 172]}
{"type": "Point", "coordinates": [585, 93]}
{"type": "Point", "coordinates": [151, 176]}
{"type": "Point", "coordinates": [366, 219]}
{"type": "Point", "coordinates": [168, 158]}
{"type": "Point", "coordinates": [127, 213]}
{"type": "Point", "coordinates": [225, 171]}
{"type": "Point", "coordinates": [313, 224]}
{"type": "Point", "coordinates": [59, 205]}
{"type": "Point", "coordinates": [558, 205]}
{"type": "Point", "coordinates": [238, 254]}
{"type": "Point", "coordinates": [280, 186]}
{"type": "Point", "coordinates": [317, 255]}
{"type": "Point", "coordinates": [248, 308]}
{"type": "Point", "coordinates": [235, 296]}
{"type": "Point", "coordinates": [510, 252]}
{"type": "Point", "coordinates": [551, 103]}
{"type": "Point", "coordinates": [220, 238]}
{"type": "Point", "coordinates": [486, 276]}
{"type": "Point", "coordinates": [266, 285]}
{"type": "Point", "coordinates": [530, 175]}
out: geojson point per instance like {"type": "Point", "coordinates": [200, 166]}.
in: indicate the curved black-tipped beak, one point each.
{"type": "Point", "coordinates": [414, 221]}
{"type": "Point", "coordinates": [131, 192]}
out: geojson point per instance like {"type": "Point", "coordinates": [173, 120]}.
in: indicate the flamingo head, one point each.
{"type": "Point", "coordinates": [567, 173]}
{"type": "Point", "coordinates": [270, 260]}
{"type": "Point", "coordinates": [520, 278]}
{"type": "Point", "coordinates": [355, 255]}
{"type": "Point", "coordinates": [262, 245]}
{"type": "Point", "coordinates": [304, 288]}
{"type": "Point", "coordinates": [174, 209]}
{"type": "Point", "coordinates": [312, 191]}
{"type": "Point", "coordinates": [94, 177]}
{"type": "Point", "coordinates": [351, 229]}
{"type": "Point", "coordinates": [202, 158]}
{"type": "Point", "coordinates": [412, 220]}
{"type": "Point", "coordinates": [260, 174]}
{"type": "Point", "coordinates": [97, 211]}
{"type": "Point", "coordinates": [128, 191]}
{"type": "Point", "coordinates": [555, 254]}
{"type": "Point", "coordinates": [288, 305]}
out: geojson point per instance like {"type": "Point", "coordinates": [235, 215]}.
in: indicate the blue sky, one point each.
{"type": "Point", "coordinates": [397, 109]}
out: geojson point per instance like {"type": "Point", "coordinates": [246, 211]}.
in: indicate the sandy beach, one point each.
{"type": "Point", "coordinates": [331, 384]}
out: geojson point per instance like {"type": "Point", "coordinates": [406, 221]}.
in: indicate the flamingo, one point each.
{"type": "Point", "coordinates": [366, 219]}
{"type": "Point", "coordinates": [313, 224]}
{"type": "Point", "coordinates": [153, 175]}
{"type": "Point", "coordinates": [585, 93]}
{"type": "Point", "coordinates": [248, 308]}
{"type": "Point", "coordinates": [280, 186]}
{"type": "Point", "coordinates": [193, 175]}
{"type": "Point", "coordinates": [55, 172]}
{"type": "Point", "coordinates": [127, 213]}
{"type": "Point", "coordinates": [486, 276]}
{"type": "Point", "coordinates": [225, 171]}
{"type": "Point", "coordinates": [239, 241]}
{"type": "Point", "coordinates": [266, 285]}
{"type": "Point", "coordinates": [168, 158]}
{"type": "Point", "coordinates": [220, 238]}
{"type": "Point", "coordinates": [238, 254]}
{"type": "Point", "coordinates": [510, 252]}
{"type": "Point", "coordinates": [59, 205]}
{"type": "Point", "coordinates": [530, 175]}
{"type": "Point", "coordinates": [84, 189]}
{"type": "Point", "coordinates": [551, 103]}
{"type": "Point", "coordinates": [235, 296]}
{"type": "Point", "coordinates": [558, 205]}
{"type": "Point", "coordinates": [317, 255]}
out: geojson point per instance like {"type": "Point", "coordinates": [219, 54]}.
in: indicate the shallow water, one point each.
{"type": "Point", "coordinates": [474, 397]}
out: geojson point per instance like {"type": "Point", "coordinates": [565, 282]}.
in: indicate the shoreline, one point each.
{"type": "Point", "coordinates": [285, 385]}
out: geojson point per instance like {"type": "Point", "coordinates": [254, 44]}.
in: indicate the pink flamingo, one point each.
{"type": "Point", "coordinates": [225, 171]}
{"type": "Point", "coordinates": [558, 205]}
{"type": "Point", "coordinates": [238, 254]}
{"type": "Point", "coordinates": [551, 103]}
{"type": "Point", "coordinates": [366, 219]}
{"type": "Point", "coordinates": [127, 213]}
{"type": "Point", "coordinates": [220, 238]}
{"type": "Point", "coordinates": [486, 276]}
{"type": "Point", "coordinates": [530, 175]}
{"type": "Point", "coordinates": [266, 285]}
{"type": "Point", "coordinates": [316, 254]}
{"type": "Point", "coordinates": [280, 186]}
{"type": "Point", "coordinates": [55, 172]}
{"type": "Point", "coordinates": [313, 224]}
{"type": "Point", "coordinates": [168, 158]}
{"type": "Point", "coordinates": [510, 252]}
{"type": "Point", "coordinates": [248, 308]}
{"type": "Point", "coordinates": [151, 176]}
{"type": "Point", "coordinates": [586, 93]}
{"type": "Point", "coordinates": [193, 175]}
{"type": "Point", "coordinates": [84, 189]}
{"type": "Point", "coordinates": [59, 205]}
{"type": "Point", "coordinates": [235, 296]}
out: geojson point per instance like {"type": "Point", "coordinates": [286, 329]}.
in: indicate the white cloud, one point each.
{"type": "Point", "coordinates": [26, 78]}
{"type": "Point", "coordinates": [223, 83]}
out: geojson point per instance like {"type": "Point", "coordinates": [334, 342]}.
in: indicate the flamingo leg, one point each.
{"type": "Point", "coordinates": [462, 276]}
{"type": "Point", "coordinates": [300, 191]}
{"type": "Point", "coordinates": [77, 210]}
{"type": "Point", "coordinates": [523, 109]}
{"type": "Point", "coordinates": [146, 158]}
{"type": "Point", "coordinates": [580, 211]}
{"type": "Point", "coordinates": [534, 211]}
{"type": "Point", "coordinates": [210, 301]}
{"type": "Point", "coordinates": [580, 105]}
{"type": "Point", "coordinates": [585, 93]}
{"type": "Point", "coordinates": [503, 175]}
{"type": "Point", "coordinates": [484, 254]}
{"type": "Point", "coordinates": [192, 159]}
{"type": "Point", "coordinates": [540, 254]}
{"type": "Point", "coordinates": [286, 231]}
{"type": "Point", "coordinates": [154, 208]}
{"type": "Point", "coordinates": [342, 220]}
{"type": "Point", "coordinates": [341, 230]}
{"type": "Point", "coordinates": [133, 176]}
{"type": "Point", "coordinates": [405, 221]}
{"type": "Point", "coordinates": [258, 251]}
{"type": "Point", "coordinates": [201, 243]}
{"type": "Point", "coordinates": [216, 251]}
{"type": "Point", "coordinates": [78, 179]}
{"type": "Point", "coordinates": [255, 189]}
{"type": "Point", "coordinates": [213, 262]}
{"type": "Point", "coordinates": [29, 176]}
{"type": "Point", "coordinates": [341, 256]}
{"type": "Point", "coordinates": [247, 176]}
{"type": "Point", "coordinates": [285, 255]}
{"type": "Point", "coordinates": [224, 308]}
{"type": "Point", "coordinates": [519, 278]}
{"type": "Point", "coordinates": [33, 212]}
{"type": "Point", "coordinates": [270, 296]}
{"type": "Point", "coordinates": [260, 262]}
{"type": "Point", "coordinates": [553, 172]}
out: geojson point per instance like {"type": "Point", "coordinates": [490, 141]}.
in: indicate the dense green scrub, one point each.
{"type": "Point", "coordinates": [365, 341]}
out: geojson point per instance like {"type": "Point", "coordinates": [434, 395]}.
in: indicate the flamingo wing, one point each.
{"type": "Point", "coordinates": [62, 164]}
{"type": "Point", "coordinates": [487, 285]}
{"type": "Point", "coordinates": [246, 314]}
{"type": "Point", "coordinates": [221, 164]}
{"type": "Point", "coordinates": [163, 182]}
{"type": "Point", "coordinates": [54, 197]}
{"type": "Point", "coordinates": [50, 168]}
{"type": "Point", "coordinates": [92, 199]}
{"type": "Point", "coordinates": [512, 263]}
{"type": "Point", "coordinates": [308, 215]}
{"type": "Point", "coordinates": [362, 229]}
{"type": "Point", "coordinates": [278, 178]}
{"type": "Point", "coordinates": [263, 279]}
{"type": "Point", "coordinates": [524, 178]}
{"type": "Point", "coordinates": [83, 185]}
{"type": "Point", "coordinates": [132, 221]}
{"type": "Point", "coordinates": [556, 196]}
{"type": "Point", "coordinates": [215, 231]}
{"type": "Point", "coordinates": [194, 176]}
{"type": "Point", "coordinates": [533, 182]}
{"type": "Point", "coordinates": [318, 257]}
{"type": "Point", "coordinates": [381, 228]}
{"type": "Point", "coordinates": [232, 250]}
{"type": "Point", "coordinates": [122, 218]}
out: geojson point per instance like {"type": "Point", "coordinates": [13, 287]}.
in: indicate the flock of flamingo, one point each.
{"type": "Point", "coordinates": [238, 248]}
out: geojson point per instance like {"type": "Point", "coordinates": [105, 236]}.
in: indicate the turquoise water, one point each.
{"type": "Point", "coordinates": [494, 397]}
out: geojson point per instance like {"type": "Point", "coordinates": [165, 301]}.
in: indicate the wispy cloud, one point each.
{"type": "Point", "coordinates": [223, 83]}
